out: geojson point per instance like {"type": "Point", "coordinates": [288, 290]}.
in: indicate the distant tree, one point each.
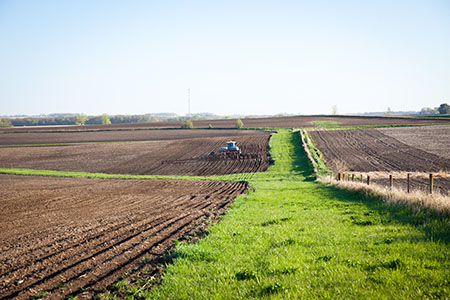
{"type": "Point", "coordinates": [239, 123]}
{"type": "Point", "coordinates": [105, 119]}
{"type": "Point", "coordinates": [428, 111]}
{"type": "Point", "coordinates": [81, 119]}
{"type": "Point", "coordinates": [444, 109]}
{"type": "Point", "coordinates": [5, 123]}
{"type": "Point", "coordinates": [187, 125]}
{"type": "Point", "coordinates": [210, 126]}
{"type": "Point", "coordinates": [388, 112]}
{"type": "Point", "coordinates": [334, 110]}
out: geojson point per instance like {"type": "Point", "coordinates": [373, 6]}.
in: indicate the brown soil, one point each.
{"type": "Point", "coordinates": [371, 150]}
{"type": "Point", "coordinates": [74, 236]}
{"type": "Point", "coordinates": [281, 122]}
{"type": "Point", "coordinates": [433, 139]}
{"type": "Point", "coordinates": [110, 136]}
{"type": "Point", "coordinates": [167, 157]}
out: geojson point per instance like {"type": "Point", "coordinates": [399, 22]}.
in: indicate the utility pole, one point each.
{"type": "Point", "coordinates": [189, 103]}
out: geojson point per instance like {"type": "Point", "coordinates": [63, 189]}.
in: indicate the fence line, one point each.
{"type": "Point", "coordinates": [352, 177]}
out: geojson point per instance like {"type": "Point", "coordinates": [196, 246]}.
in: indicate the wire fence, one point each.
{"type": "Point", "coordinates": [428, 183]}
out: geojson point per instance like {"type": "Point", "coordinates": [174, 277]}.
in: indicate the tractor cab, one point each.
{"type": "Point", "coordinates": [231, 147]}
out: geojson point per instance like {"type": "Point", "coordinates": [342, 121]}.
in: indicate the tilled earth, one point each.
{"type": "Point", "coordinates": [65, 236]}
{"type": "Point", "coordinates": [269, 122]}
{"type": "Point", "coordinates": [377, 150]}
{"type": "Point", "coordinates": [432, 139]}
{"type": "Point", "coordinates": [36, 137]}
{"type": "Point", "coordinates": [183, 156]}
{"type": "Point", "coordinates": [371, 150]}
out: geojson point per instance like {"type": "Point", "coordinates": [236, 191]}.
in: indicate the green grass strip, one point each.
{"type": "Point", "coordinates": [327, 124]}
{"type": "Point", "coordinates": [294, 238]}
{"type": "Point", "coordinates": [69, 174]}
{"type": "Point", "coordinates": [320, 169]}
{"type": "Point", "coordinates": [52, 173]}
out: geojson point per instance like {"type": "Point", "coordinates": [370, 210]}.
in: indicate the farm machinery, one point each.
{"type": "Point", "coordinates": [231, 149]}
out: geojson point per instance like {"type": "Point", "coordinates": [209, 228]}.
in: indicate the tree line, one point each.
{"type": "Point", "coordinates": [443, 109]}
{"type": "Point", "coordinates": [82, 119]}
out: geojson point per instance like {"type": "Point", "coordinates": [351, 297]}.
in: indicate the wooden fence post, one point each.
{"type": "Point", "coordinates": [361, 178]}
{"type": "Point", "coordinates": [431, 183]}
{"type": "Point", "coordinates": [391, 182]}
{"type": "Point", "coordinates": [353, 177]}
{"type": "Point", "coordinates": [368, 180]}
{"type": "Point", "coordinates": [407, 182]}
{"type": "Point", "coordinates": [339, 176]}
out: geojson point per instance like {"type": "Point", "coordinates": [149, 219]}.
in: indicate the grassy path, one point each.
{"type": "Point", "coordinates": [293, 238]}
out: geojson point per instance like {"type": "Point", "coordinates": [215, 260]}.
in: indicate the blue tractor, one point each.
{"type": "Point", "coordinates": [230, 149]}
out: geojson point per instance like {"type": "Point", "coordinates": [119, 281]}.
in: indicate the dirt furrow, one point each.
{"type": "Point", "coordinates": [92, 254]}
{"type": "Point", "coordinates": [164, 157]}
{"type": "Point", "coordinates": [81, 237]}
{"type": "Point", "coordinates": [370, 150]}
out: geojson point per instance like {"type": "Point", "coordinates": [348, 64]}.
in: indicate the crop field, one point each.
{"type": "Point", "coordinates": [171, 155]}
{"type": "Point", "coordinates": [61, 235]}
{"type": "Point", "coordinates": [289, 238]}
{"type": "Point", "coordinates": [279, 122]}
{"type": "Point", "coordinates": [432, 139]}
{"type": "Point", "coordinates": [45, 138]}
{"type": "Point", "coordinates": [415, 150]}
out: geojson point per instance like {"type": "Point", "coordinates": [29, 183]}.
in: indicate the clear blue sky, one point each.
{"type": "Point", "coordinates": [246, 57]}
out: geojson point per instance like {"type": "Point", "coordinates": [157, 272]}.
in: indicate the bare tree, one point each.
{"type": "Point", "coordinates": [388, 112]}
{"type": "Point", "coordinates": [334, 110]}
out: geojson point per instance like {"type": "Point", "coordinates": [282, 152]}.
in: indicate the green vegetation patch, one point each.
{"type": "Point", "coordinates": [327, 124]}
{"type": "Point", "coordinates": [53, 173]}
{"type": "Point", "coordinates": [316, 155]}
{"type": "Point", "coordinates": [294, 238]}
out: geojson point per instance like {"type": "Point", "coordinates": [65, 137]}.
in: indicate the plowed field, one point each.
{"type": "Point", "coordinates": [183, 156]}
{"type": "Point", "coordinates": [281, 122]}
{"type": "Point", "coordinates": [119, 135]}
{"type": "Point", "coordinates": [73, 236]}
{"type": "Point", "coordinates": [432, 139]}
{"type": "Point", "coordinates": [371, 150]}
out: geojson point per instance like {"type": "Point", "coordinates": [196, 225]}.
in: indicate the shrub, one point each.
{"type": "Point", "coordinates": [187, 125]}
{"type": "Point", "coordinates": [444, 109]}
{"type": "Point", "coordinates": [239, 123]}
{"type": "Point", "coordinates": [81, 119]}
{"type": "Point", "coordinates": [105, 119]}
{"type": "Point", "coordinates": [5, 123]}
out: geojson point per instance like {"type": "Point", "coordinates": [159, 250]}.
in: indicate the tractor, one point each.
{"type": "Point", "coordinates": [230, 149]}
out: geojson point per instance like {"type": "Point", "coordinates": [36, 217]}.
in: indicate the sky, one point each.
{"type": "Point", "coordinates": [236, 57]}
